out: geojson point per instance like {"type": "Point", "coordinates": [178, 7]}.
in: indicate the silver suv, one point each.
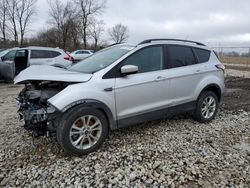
{"type": "Point", "coordinates": [119, 86]}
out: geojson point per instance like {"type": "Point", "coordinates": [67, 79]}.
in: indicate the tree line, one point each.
{"type": "Point", "coordinates": [72, 25]}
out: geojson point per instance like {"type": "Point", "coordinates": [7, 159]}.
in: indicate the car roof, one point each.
{"type": "Point", "coordinates": [150, 42]}
{"type": "Point", "coordinates": [82, 50]}
{"type": "Point", "coordinates": [41, 48]}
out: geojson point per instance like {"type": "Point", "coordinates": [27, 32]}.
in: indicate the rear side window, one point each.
{"type": "Point", "coordinates": [20, 53]}
{"type": "Point", "coordinates": [202, 55]}
{"type": "Point", "coordinates": [43, 54]}
{"type": "Point", "coordinates": [82, 52]}
{"type": "Point", "coordinates": [180, 56]}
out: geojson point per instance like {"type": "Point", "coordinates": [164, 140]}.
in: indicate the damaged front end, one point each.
{"type": "Point", "coordinates": [39, 116]}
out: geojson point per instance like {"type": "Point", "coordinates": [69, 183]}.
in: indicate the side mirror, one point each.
{"type": "Point", "coordinates": [129, 69]}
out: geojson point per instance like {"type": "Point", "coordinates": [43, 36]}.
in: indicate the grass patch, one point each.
{"type": "Point", "coordinates": [235, 60]}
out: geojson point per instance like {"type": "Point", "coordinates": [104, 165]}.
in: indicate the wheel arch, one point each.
{"type": "Point", "coordinates": [214, 88]}
{"type": "Point", "coordinates": [92, 103]}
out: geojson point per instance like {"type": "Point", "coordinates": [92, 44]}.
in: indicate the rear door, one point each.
{"type": "Point", "coordinates": [146, 90]}
{"type": "Point", "coordinates": [184, 74]}
{"type": "Point", "coordinates": [41, 57]}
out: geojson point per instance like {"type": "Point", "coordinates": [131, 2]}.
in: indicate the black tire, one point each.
{"type": "Point", "coordinates": [68, 119]}
{"type": "Point", "coordinates": [198, 111]}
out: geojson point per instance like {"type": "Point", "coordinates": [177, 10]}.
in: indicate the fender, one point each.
{"type": "Point", "coordinates": [98, 105]}
{"type": "Point", "coordinates": [217, 91]}
{"type": "Point", "coordinates": [210, 81]}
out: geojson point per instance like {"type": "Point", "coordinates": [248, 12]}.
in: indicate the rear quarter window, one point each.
{"type": "Point", "coordinates": [202, 55]}
{"type": "Point", "coordinates": [55, 54]}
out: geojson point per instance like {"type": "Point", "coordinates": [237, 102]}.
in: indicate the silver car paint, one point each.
{"type": "Point", "coordinates": [93, 89]}
{"type": "Point", "coordinates": [145, 92]}
{"type": "Point", "coordinates": [50, 73]}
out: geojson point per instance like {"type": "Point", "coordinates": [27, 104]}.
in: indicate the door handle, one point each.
{"type": "Point", "coordinates": [160, 78]}
{"type": "Point", "coordinates": [108, 89]}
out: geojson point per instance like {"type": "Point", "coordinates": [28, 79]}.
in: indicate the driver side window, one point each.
{"type": "Point", "coordinates": [147, 59]}
{"type": "Point", "coordinates": [10, 56]}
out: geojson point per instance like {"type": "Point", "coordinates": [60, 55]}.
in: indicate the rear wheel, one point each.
{"type": "Point", "coordinates": [207, 107]}
{"type": "Point", "coordinates": [82, 130]}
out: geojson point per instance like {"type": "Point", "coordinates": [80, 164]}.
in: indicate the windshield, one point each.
{"type": "Point", "coordinates": [101, 59]}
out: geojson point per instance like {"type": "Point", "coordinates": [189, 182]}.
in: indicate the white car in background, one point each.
{"type": "Point", "coordinates": [13, 61]}
{"type": "Point", "coordinates": [81, 54]}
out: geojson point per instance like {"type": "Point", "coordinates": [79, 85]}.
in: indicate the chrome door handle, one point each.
{"type": "Point", "coordinates": [160, 78]}
{"type": "Point", "coordinates": [197, 71]}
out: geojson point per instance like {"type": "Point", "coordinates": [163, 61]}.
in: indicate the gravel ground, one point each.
{"type": "Point", "coordinates": [176, 152]}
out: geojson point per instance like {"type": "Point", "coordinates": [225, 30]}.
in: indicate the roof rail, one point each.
{"type": "Point", "coordinates": [180, 40]}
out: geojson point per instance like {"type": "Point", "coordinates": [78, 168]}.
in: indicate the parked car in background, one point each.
{"type": "Point", "coordinates": [13, 61]}
{"type": "Point", "coordinates": [79, 55]}
{"type": "Point", "coordinates": [119, 86]}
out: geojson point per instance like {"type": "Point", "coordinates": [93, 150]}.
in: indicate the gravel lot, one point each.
{"type": "Point", "coordinates": [176, 152]}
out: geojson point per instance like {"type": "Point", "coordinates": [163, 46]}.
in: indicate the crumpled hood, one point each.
{"type": "Point", "coordinates": [50, 73]}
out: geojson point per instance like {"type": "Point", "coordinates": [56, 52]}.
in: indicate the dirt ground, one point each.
{"type": "Point", "coordinates": [237, 95]}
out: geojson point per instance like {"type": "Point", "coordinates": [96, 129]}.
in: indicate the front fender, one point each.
{"type": "Point", "coordinates": [81, 93]}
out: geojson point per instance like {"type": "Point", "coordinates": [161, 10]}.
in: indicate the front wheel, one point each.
{"type": "Point", "coordinates": [207, 107]}
{"type": "Point", "coordinates": [82, 130]}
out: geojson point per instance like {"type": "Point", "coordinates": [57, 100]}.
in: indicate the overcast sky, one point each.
{"type": "Point", "coordinates": [214, 22]}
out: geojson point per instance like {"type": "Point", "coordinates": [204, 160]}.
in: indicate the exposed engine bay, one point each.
{"type": "Point", "coordinates": [39, 116]}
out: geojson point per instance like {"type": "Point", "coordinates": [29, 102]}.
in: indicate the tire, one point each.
{"type": "Point", "coordinates": [72, 122]}
{"type": "Point", "coordinates": [204, 113]}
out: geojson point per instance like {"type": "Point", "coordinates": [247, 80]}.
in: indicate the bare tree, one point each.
{"type": "Point", "coordinates": [118, 33]}
{"type": "Point", "coordinates": [62, 17]}
{"type": "Point", "coordinates": [25, 9]}
{"type": "Point", "coordinates": [96, 29]}
{"type": "Point", "coordinates": [3, 20]}
{"type": "Point", "coordinates": [75, 34]}
{"type": "Point", "coordinates": [88, 9]}
{"type": "Point", "coordinates": [11, 12]}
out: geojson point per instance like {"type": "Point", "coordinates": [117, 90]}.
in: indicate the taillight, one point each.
{"type": "Point", "coordinates": [68, 57]}
{"type": "Point", "coordinates": [220, 66]}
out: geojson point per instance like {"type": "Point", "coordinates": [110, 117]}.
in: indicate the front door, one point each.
{"type": "Point", "coordinates": [146, 90]}
{"type": "Point", "coordinates": [7, 66]}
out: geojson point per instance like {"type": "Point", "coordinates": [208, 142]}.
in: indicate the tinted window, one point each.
{"type": "Point", "coordinates": [10, 56]}
{"type": "Point", "coordinates": [147, 59]}
{"type": "Point", "coordinates": [82, 52]}
{"type": "Point", "coordinates": [203, 55]}
{"type": "Point", "coordinates": [180, 56]}
{"type": "Point", "coordinates": [35, 54]}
